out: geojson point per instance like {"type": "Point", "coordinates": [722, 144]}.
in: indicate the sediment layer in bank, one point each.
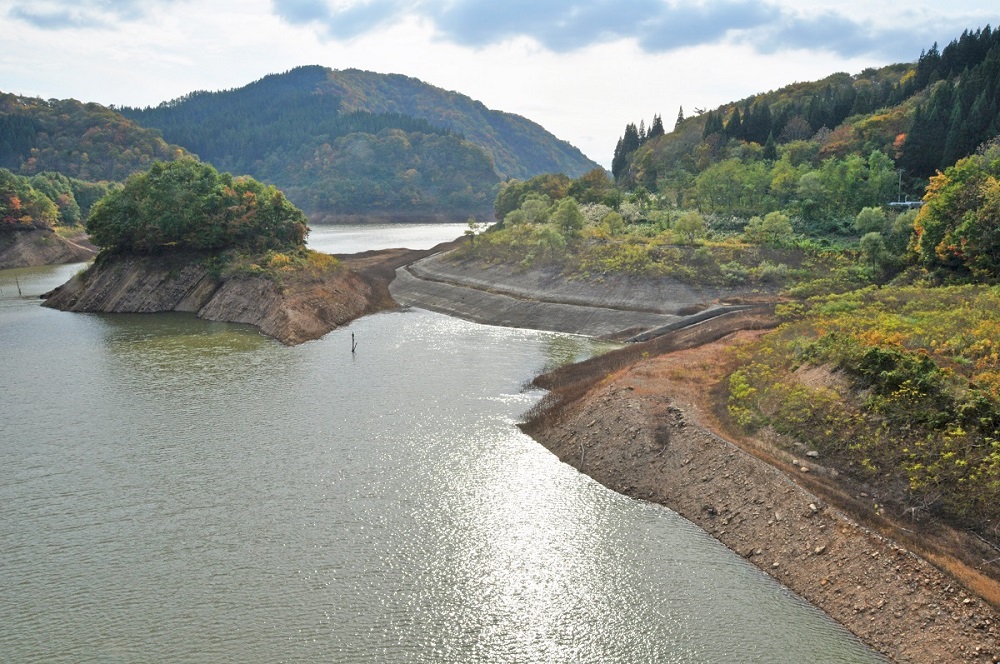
{"type": "Point", "coordinates": [611, 306]}
{"type": "Point", "coordinates": [293, 310]}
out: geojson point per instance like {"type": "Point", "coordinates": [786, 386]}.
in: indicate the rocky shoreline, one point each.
{"type": "Point", "coordinates": [644, 429]}
{"type": "Point", "coordinates": [295, 310]}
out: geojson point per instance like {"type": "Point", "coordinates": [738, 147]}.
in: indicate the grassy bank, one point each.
{"type": "Point", "coordinates": [898, 388]}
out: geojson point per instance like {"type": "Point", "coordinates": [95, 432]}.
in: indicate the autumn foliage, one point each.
{"type": "Point", "coordinates": [189, 205]}
{"type": "Point", "coordinates": [959, 227]}
{"type": "Point", "coordinates": [899, 388]}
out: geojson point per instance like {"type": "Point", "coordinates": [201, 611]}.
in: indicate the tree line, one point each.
{"type": "Point", "coordinates": [924, 115]}
{"type": "Point", "coordinates": [45, 200]}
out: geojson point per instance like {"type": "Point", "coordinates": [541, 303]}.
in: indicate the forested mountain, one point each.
{"type": "Point", "coordinates": [353, 141]}
{"type": "Point", "coordinates": [787, 149]}
{"type": "Point", "coordinates": [84, 141]}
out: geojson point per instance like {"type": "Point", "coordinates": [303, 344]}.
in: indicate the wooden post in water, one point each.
{"type": "Point", "coordinates": [354, 344]}
{"type": "Point", "coordinates": [18, 282]}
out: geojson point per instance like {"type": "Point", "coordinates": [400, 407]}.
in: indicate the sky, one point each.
{"type": "Point", "coordinates": [582, 69]}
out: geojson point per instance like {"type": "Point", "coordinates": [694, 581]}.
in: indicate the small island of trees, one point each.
{"type": "Point", "coordinates": [188, 205]}
{"type": "Point", "coordinates": [187, 210]}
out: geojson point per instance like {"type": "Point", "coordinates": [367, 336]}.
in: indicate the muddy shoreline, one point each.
{"type": "Point", "coordinates": [642, 426]}
{"type": "Point", "coordinates": [642, 421]}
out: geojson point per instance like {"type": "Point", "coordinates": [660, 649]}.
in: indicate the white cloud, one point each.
{"type": "Point", "coordinates": [142, 53]}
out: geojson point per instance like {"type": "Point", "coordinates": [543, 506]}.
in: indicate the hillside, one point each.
{"type": "Point", "coordinates": [40, 218]}
{"type": "Point", "coordinates": [353, 141]}
{"type": "Point", "coordinates": [923, 116]}
{"type": "Point", "coordinates": [85, 141]}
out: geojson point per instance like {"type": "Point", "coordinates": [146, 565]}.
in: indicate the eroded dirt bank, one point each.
{"type": "Point", "coordinates": [610, 306]}
{"type": "Point", "coordinates": [297, 309]}
{"type": "Point", "coordinates": [644, 427]}
{"type": "Point", "coordinates": [42, 247]}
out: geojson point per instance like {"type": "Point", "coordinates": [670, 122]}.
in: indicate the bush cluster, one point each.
{"type": "Point", "coordinates": [911, 399]}
{"type": "Point", "coordinates": [188, 205]}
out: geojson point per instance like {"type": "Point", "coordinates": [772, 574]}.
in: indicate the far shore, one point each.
{"type": "Point", "coordinates": [400, 217]}
{"type": "Point", "coordinates": [43, 246]}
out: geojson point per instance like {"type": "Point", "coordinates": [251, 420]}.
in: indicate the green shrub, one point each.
{"type": "Point", "coordinates": [188, 205]}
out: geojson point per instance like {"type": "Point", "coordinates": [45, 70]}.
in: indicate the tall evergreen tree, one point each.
{"type": "Point", "coordinates": [619, 161]}
{"type": "Point", "coordinates": [770, 148]}
{"type": "Point", "coordinates": [734, 127]}
{"type": "Point", "coordinates": [656, 129]}
{"type": "Point", "coordinates": [713, 124]}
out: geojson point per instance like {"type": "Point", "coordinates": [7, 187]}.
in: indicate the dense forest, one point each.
{"type": "Point", "coordinates": [353, 141]}
{"type": "Point", "coordinates": [187, 205]}
{"type": "Point", "coordinates": [918, 118]}
{"type": "Point", "coordinates": [45, 200]}
{"type": "Point", "coordinates": [82, 141]}
{"type": "Point", "coordinates": [348, 142]}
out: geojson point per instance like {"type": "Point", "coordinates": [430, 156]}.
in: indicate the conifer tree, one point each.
{"type": "Point", "coordinates": [734, 128]}
{"type": "Point", "coordinates": [656, 129]}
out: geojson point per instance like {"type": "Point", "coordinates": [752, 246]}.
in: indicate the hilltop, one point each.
{"type": "Point", "coordinates": [922, 116]}
{"type": "Point", "coordinates": [340, 144]}
{"type": "Point", "coordinates": [357, 142]}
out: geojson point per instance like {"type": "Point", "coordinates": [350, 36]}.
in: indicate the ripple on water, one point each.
{"type": "Point", "coordinates": [189, 492]}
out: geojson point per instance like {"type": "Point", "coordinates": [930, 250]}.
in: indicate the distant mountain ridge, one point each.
{"type": "Point", "coordinates": [352, 141]}
{"type": "Point", "coordinates": [520, 148]}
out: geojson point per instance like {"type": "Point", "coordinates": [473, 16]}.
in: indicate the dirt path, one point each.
{"type": "Point", "coordinates": [646, 430]}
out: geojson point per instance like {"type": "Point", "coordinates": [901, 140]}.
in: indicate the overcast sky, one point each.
{"type": "Point", "coordinates": [581, 68]}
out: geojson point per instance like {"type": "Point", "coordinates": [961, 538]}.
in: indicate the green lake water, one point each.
{"type": "Point", "coordinates": [173, 490]}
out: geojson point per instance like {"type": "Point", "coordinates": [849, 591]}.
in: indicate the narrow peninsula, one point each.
{"type": "Point", "coordinates": [184, 237]}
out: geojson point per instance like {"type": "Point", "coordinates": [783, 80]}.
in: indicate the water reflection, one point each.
{"type": "Point", "coordinates": [176, 342]}
{"type": "Point", "coordinates": [562, 349]}
{"type": "Point", "coordinates": [181, 491]}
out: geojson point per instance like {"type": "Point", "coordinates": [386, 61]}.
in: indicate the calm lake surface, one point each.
{"type": "Point", "coordinates": [350, 239]}
{"type": "Point", "coordinates": [173, 490]}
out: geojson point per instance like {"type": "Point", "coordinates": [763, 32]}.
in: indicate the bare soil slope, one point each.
{"type": "Point", "coordinates": [42, 247]}
{"type": "Point", "coordinates": [611, 306]}
{"type": "Point", "coordinates": [642, 429]}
